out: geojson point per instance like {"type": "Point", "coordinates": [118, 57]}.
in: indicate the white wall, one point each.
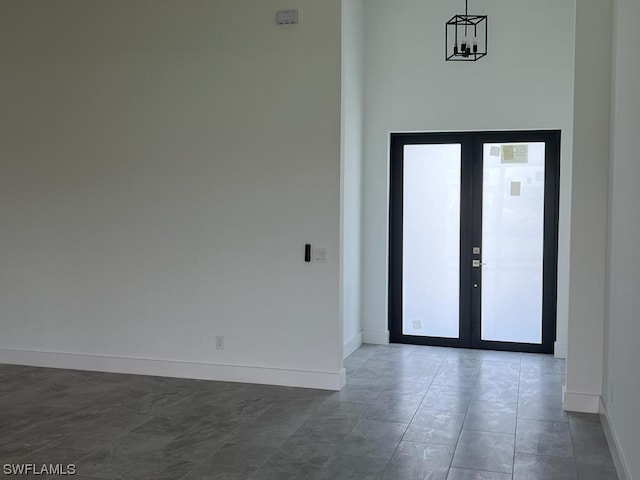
{"type": "Point", "coordinates": [525, 82]}
{"type": "Point", "coordinates": [589, 205]}
{"type": "Point", "coordinates": [622, 355]}
{"type": "Point", "coordinates": [352, 124]}
{"type": "Point", "coordinates": [162, 165]}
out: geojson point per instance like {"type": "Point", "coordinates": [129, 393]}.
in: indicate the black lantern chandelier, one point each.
{"type": "Point", "coordinates": [466, 37]}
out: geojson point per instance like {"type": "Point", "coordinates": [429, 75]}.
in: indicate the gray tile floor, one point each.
{"type": "Point", "coordinates": [407, 412]}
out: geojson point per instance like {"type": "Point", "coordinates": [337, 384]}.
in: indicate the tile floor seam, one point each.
{"type": "Point", "coordinates": [402, 438]}
{"type": "Point", "coordinates": [545, 456]}
{"type": "Point", "coordinates": [573, 448]}
{"type": "Point", "coordinates": [515, 433]}
{"type": "Point", "coordinates": [455, 448]}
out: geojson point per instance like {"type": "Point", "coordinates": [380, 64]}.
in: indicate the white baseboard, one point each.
{"type": "Point", "coordinates": [179, 369]}
{"type": "Point", "coordinates": [580, 402]}
{"type": "Point", "coordinates": [376, 337]}
{"type": "Point", "coordinates": [560, 350]}
{"type": "Point", "coordinates": [352, 345]}
{"type": "Point", "coordinates": [622, 467]}
{"type": "Point", "coordinates": [342, 379]}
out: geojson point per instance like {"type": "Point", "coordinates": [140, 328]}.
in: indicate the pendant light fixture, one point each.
{"type": "Point", "coordinates": [466, 37]}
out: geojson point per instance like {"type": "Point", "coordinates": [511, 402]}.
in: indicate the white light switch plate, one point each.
{"type": "Point", "coordinates": [319, 255]}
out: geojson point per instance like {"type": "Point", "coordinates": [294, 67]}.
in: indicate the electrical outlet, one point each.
{"type": "Point", "coordinates": [220, 342]}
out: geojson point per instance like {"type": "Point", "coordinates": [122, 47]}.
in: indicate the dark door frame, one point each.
{"type": "Point", "coordinates": [471, 233]}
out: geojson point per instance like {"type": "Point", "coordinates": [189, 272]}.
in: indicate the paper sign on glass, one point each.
{"type": "Point", "coordinates": [515, 154]}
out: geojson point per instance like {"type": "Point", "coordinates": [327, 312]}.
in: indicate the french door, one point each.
{"type": "Point", "coordinates": [473, 239]}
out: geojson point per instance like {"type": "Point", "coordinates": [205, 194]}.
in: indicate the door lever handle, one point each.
{"type": "Point", "coordinates": [477, 263]}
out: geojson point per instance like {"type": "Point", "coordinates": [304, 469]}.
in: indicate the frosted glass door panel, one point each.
{"type": "Point", "coordinates": [431, 240]}
{"type": "Point", "coordinates": [512, 242]}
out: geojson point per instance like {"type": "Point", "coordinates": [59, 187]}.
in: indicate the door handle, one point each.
{"type": "Point", "coordinates": [477, 263]}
